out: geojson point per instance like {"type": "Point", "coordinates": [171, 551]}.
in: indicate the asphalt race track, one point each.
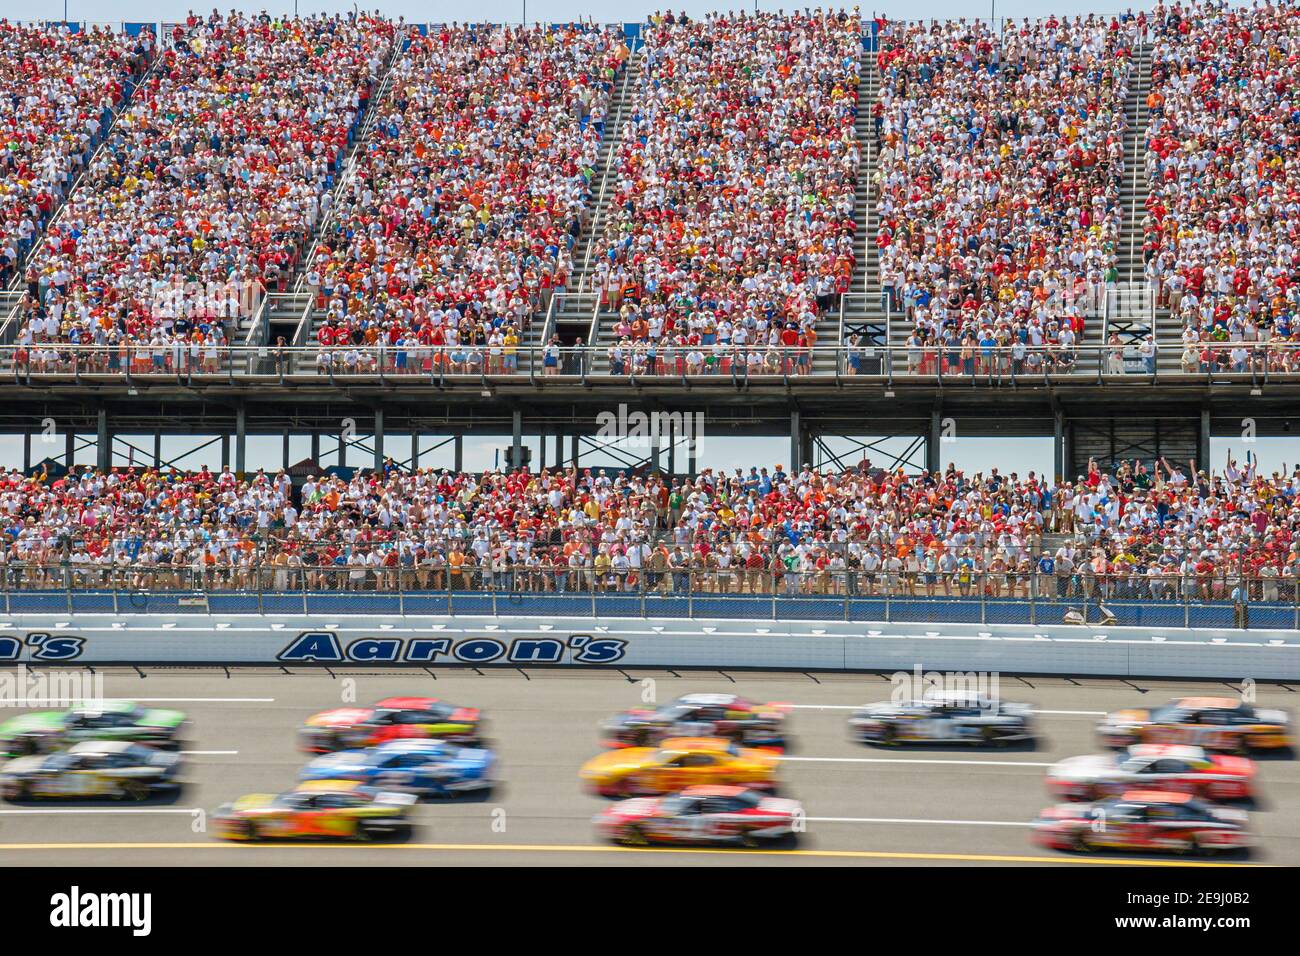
{"type": "Point", "coordinates": [864, 805]}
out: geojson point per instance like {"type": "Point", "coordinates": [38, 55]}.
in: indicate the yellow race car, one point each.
{"type": "Point", "coordinates": [678, 763]}
{"type": "Point", "coordinates": [317, 810]}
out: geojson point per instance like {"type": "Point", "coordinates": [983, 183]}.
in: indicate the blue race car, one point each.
{"type": "Point", "coordinates": [433, 768]}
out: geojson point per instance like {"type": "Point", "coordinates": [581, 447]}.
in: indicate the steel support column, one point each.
{"type": "Point", "coordinates": [379, 440]}
{"type": "Point", "coordinates": [103, 443]}
{"type": "Point", "coordinates": [516, 437]}
{"type": "Point", "coordinates": [1203, 444]}
{"type": "Point", "coordinates": [1059, 459]}
{"type": "Point", "coordinates": [241, 440]}
{"type": "Point", "coordinates": [933, 460]}
{"type": "Point", "coordinates": [796, 442]}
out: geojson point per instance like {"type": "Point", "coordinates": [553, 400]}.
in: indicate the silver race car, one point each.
{"type": "Point", "coordinates": [947, 720]}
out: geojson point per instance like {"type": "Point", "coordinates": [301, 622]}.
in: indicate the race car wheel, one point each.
{"type": "Point", "coordinates": [250, 831]}
{"type": "Point", "coordinates": [1240, 746]}
{"type": "Point", "coordinates": [1081, 843]}
{"type": "Point", "coordinates": [748, 840]}
{"type": "Point", "coordinates": [889, 736]}
{"type": "Point", "coordinates": [633, 836]}
{"type": "Point", "coordinates": [15, 790]}
{"type": "Point", "coordinates": [990, 738]}
{"type": "Point", "coordinates": [134, 790]}
{"type": "Point", "coordinates": [25, 746]}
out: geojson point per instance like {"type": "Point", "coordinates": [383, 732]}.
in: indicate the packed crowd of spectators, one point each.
{"type": "Point", "coordinates": [1160, 532]}
{"type": "Point", "coordinates": [59, 89]}
{"type": "Point", "coordinates": [1001, 158]}
{"type": "Point", "coordinates": [209, 186]}
{"type": "Point", "coordinates": [474, 185]}
{"type": "Point", "coordinates": [1219, 239]}
{"type": "Point", "coordinates": [730, 228]}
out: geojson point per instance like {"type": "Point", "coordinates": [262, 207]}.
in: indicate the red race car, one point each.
{"type": "Point", "coordinates": [703, 815]}
{"type": "Point", "coordinates": [1164, 767]}
{"type": "Point", "coordinates": [1143, 820]}
{"type": "Point", "coordinates": [395, 718]}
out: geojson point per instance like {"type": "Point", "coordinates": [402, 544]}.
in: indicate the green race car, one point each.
{"type": "Point", "coordinates": [44, 731]}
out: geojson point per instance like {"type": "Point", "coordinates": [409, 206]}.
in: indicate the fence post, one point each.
{"type": "Point", "coordinates": [690, 593]}
{"type": "Point", "coordinates": [401, 589]}
{"type": "Point", "coordinates": [67, 584]}
{"type": "Point", "coordinates": [640, 587]}
{"type": "Point", "coordinates": [257, 572]}
{"type": "Point", "coordinates": [304, 590]}
{"type": "Point", "coordinates": [1033, 597]}
{"type": "Point", "coordinates": [771, 576]}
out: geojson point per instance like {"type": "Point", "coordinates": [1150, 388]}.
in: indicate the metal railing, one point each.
{"type": "Point", "coordinates": [969, 364]}
{"type": "Point", "coordinates": [401, 585]}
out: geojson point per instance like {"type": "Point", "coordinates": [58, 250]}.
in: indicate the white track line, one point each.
{"type": "Point", "coordinates": [57, 810]}
{"type": "Point", "coordinates": [1050, 713]}
{"type": "Point", "coordinates": [961, 823]}
{"type": "Point", "coordinates": [931, 760]}
{"type": "Point", "coordinates": [51, 701]}
{"type": "Point", "coordinates": [209, 753]}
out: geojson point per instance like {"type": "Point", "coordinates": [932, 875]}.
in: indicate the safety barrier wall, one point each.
{"type": "Point", "coordinates": [288, 640]}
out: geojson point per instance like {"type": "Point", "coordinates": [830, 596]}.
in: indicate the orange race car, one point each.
{"type": "Point", "coordinates": [678, 763]}
{"type": "Point", "coordinates": [1215, 723]}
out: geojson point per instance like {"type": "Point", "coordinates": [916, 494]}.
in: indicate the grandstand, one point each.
{"type": "Point", "coordinates": [807, 225]}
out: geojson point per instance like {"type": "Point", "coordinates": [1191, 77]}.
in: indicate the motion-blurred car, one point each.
{"type": "Point", "coordinates": [433, 768]}
{"type": "Point", "coordinates": [118, 770]}
{"type": "Point", "coordinates": [1164, 767]}
{"type": "Point", "coordinates": [396, 718]}
{"type": "Point", "coordinates": [1143, 820]}
{"type": "Point", "coordinates": [680, 762]}
{"type": "Point", "coordinates": [943, 720]}
{"type": "Point", "coordinates": [317, 810]}
{"type": "Point", "coordinates": [700, 715]}
{"type": "Point", "coordinates": [1215, 723]}
{"type": "Point", "coordinates": [47, 730]}
{"type": "Point", "coordinates": [702, 815]}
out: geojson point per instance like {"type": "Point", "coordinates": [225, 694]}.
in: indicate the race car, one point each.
{"type": "Point", "coordinates": [1164, 767]}
{"type": "Point", "coordinates": [678, 763]}
{"type": "Point", "coordinates": [943, 720]}
{"type": "Point", "coordinates": [702, 815]}
{"type": "Point", "coordinates": [433, 768]}
{"type": "Point", "coordinates": [317, 810]}
{"type": "Point", "coordinates": [700, 715]}
{"type": "Point", "coordinates": [1143, 820]}
{"type": "Point", "coordinates": [396, 718]}
{"type": "Point", "coordinates": [44, 731]}
{"type": "Point", "coordinates": [115, 769]}
{"type": "Point", "coordinates": [1215, 723]}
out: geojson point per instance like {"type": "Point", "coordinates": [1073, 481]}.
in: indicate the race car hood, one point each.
{"type": "Point", "coordinates": [1086, 767]}
{"type": "Point", "coordinates": [469, 758]}
{"type": "Point", "coordinates": [330, 766]}
{"type": "Point", "coordinates": [340, 717]}
{"type": "Point", "coordinates": [637, 808]}
{"type": "Point", "coordinates": [1132, 716]}
{"type": "Point", "coordinates": [23, 765]}
{"type": "Point", "coordinates": [1272, 716]}
{"type": "Point", "coordinates": [167, 719]}
{"type": "Point", "coordinates": [46, 720]}
{"type": "Point", "coordinates": [253, 801]}
{"type": "Point", "coordinates": [618, 762]}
